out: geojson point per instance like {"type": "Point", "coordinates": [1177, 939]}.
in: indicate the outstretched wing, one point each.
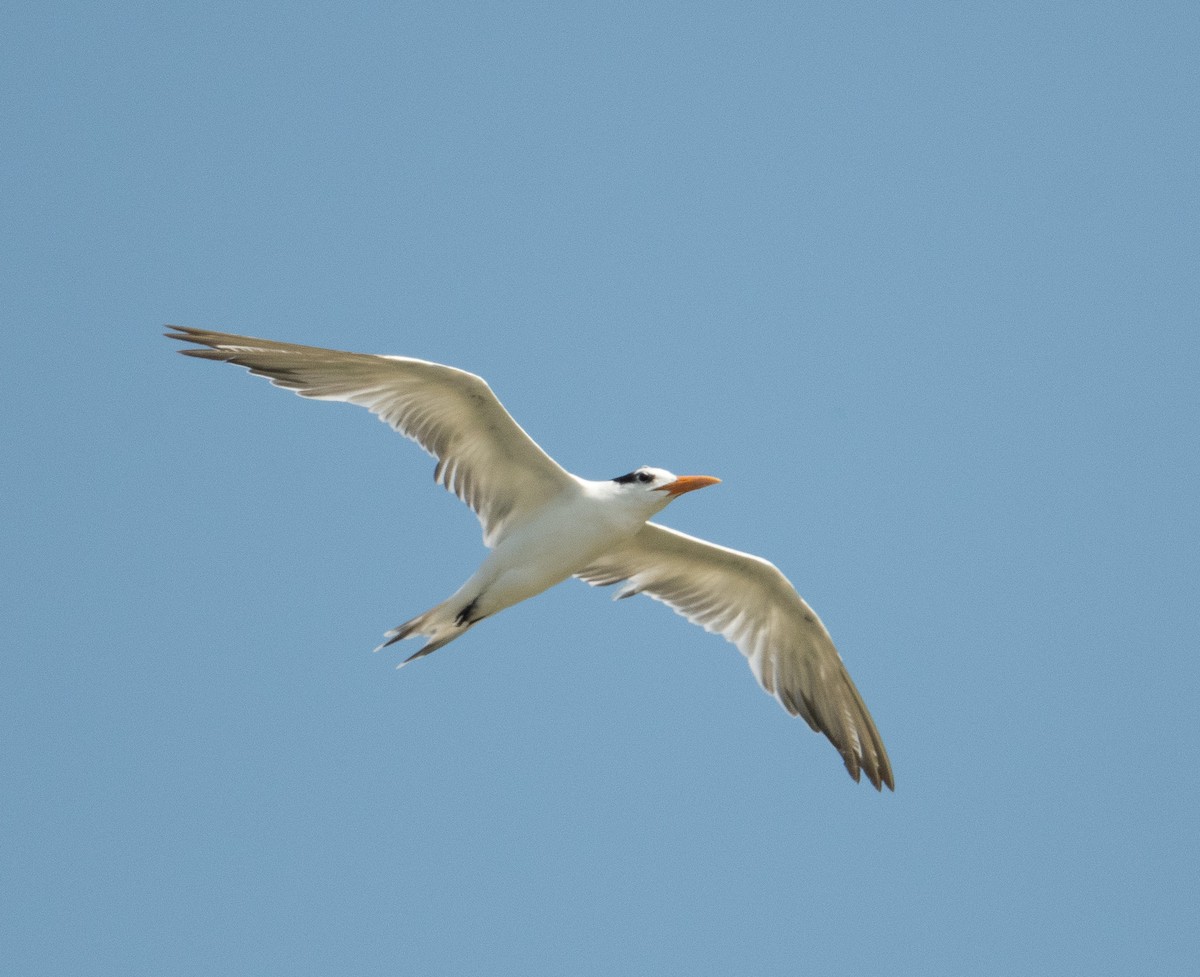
{"type": "Point", "coordinates": [484, 457]}
{"type": "Point", "coordinates": [750, 603]}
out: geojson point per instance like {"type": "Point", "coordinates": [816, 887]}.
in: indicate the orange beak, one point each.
{"type": "Point", "coordinates": [687, 483]}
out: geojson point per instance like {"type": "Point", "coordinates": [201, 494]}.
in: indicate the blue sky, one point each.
{"type": "Point", "coordinates": [917, 281]}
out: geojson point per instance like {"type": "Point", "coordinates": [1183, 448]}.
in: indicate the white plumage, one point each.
{"type": "Point", "coordinates": [543, 525]}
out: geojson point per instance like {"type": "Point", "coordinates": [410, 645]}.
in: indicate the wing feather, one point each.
{"type": "Point", "coordinates": [484, 457]}
{"type": "Point", "coordinates": [750, 603]}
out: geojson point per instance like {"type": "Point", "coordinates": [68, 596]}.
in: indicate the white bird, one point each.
{"type": "Point", "coordinates": [543, 525]}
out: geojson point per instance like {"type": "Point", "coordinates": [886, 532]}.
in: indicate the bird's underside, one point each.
{"type": "Point", "coordinates": [543, 525]}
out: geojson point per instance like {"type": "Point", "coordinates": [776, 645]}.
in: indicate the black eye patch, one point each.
{"type": "Point", "coordinates": [634, 477]}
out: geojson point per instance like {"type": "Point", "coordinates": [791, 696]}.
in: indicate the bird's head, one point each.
{"type": "Point", "coordinates": [656, 488]}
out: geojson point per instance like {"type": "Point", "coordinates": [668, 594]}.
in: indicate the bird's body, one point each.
{"type": "Point", "coordinates": [584, 520]}
{"type": "Point", "coordinates": [544, 525]}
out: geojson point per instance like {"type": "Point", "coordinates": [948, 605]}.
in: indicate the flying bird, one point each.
{"type": "Point", "coordinates": [543, 525]}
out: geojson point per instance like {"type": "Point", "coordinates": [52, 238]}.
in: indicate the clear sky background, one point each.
{"type": "Point", "coordinates": [917, 281]}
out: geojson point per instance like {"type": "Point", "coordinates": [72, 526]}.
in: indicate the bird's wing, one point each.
{"type": "Point", "coordinates": [484, 457]}
{"type": "Point", "coordinates": [750, 603]}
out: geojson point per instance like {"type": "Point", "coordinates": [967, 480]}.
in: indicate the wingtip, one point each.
{"type": "Point", "coordinates": [879, 778]}
{"type": "Point", "coordinates": [186, 334]}
{"type": "Point", "coordinates": [878, 775]}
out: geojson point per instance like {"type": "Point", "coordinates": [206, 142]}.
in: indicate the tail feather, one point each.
{"type": "Point", "coordinates": [440, 624]}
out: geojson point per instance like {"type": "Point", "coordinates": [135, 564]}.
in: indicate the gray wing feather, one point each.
{"type": "Point", "coordinates": [484, 457]}
{"type": "Point", "coordinates": [750, 603]}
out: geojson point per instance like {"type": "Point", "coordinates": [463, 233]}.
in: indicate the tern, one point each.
{"type": "Point", "coordinates": [543, 525]}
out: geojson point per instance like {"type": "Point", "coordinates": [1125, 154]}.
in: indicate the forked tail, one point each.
{"type": "Point", "coordinates": [440, 624]}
